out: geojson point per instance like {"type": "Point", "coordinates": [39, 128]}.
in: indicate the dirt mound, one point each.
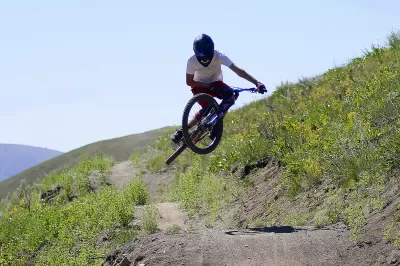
{"type": "Point", "coordinates": [265, 177]}
{"type": "Point", "coordinates": [283, 245]}
{"type": "Point", "coordinates": [171, 216]}
{"type": "Point", "coordinates": [257, 246]}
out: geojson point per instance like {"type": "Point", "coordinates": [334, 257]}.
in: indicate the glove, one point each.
{"type": "Point", "coordinates": [261, 87]}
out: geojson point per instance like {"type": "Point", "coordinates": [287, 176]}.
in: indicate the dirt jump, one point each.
{"type": "Point", "coordinates": [276, 245]}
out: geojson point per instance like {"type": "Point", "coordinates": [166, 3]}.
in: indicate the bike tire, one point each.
{"type": "Point", "coordinates": [185, 128]}
{"type": "Point", "coordinates": [176, 154]}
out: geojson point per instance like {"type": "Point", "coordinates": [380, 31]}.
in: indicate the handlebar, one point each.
{"type": "Point", "coordinates": [252, 90]}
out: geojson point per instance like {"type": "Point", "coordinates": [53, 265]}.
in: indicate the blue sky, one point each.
{"type": "Point", "coordinates": [76, 72]}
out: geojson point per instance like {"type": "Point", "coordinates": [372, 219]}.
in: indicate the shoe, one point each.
{"type": "Point", "coordinates": [177, 136]}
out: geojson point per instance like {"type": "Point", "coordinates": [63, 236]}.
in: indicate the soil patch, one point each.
{"type": "Point", "coordinates": [257, 246]}
{"type": "Point", "coordinates": [122, 174]}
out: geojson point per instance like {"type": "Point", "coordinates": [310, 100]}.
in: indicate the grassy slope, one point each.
{"type": "Point", "coordinates": [337, 133]}
{"type": "Point", "coordinates": [118, 148]}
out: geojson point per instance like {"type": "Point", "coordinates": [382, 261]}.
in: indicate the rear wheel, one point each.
{"type": "Point", "coordinates": [197, 137]}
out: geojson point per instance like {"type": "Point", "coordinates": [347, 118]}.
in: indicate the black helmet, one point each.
{"type": "Point", "coordinates": [203, 47]}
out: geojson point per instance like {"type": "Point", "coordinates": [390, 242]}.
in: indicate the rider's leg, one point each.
{"type": "Point", "coordinates": [221, 91]}
{"type": "Point", "coordinates": [178, 134]}
{"type": "Point", "coordinates": [192, 122]}
{"type": "Point", "coordinates": [227, 95]}
{"type": "Point", "coordinates": [229, 98]}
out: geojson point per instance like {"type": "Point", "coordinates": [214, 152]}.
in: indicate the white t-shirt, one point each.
{"type": "Point", "coordinates": [212, 72]}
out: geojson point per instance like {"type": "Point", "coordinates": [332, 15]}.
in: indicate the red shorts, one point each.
{"type": "Point", "coordinates": [220, 84]}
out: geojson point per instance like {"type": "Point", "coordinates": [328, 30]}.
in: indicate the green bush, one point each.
{"type": "Point", "coordinates": [67, 233]}
{"type": "Point", "coordinates": [137, 191]}
{"type": "Point", "coordinates": [150, 218]}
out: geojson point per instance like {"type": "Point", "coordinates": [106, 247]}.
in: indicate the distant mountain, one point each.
{"type": "Point", "coordinates": [14, 158]}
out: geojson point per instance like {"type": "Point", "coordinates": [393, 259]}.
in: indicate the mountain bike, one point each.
{"type": "Point", "coordinates": [206, 134]}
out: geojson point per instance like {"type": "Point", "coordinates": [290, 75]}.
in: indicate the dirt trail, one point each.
{"type": "Point", "coordinates": [170, 214]}
{"type": "Point", "coordinates": [122, 173]}
{"type": "Point", "coordinates": [258, 246]}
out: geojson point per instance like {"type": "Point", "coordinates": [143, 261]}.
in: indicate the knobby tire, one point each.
{"type": "Point", "coordinates": [185, 126]}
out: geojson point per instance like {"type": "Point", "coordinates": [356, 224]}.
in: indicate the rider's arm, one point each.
{"type": "Point", "coordinates": [243, 74]}
{"type": "Point", "coordinates": [192, 83]}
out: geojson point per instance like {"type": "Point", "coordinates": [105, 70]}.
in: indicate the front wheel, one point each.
{"type": "Point", "coordinates": [197, 138]}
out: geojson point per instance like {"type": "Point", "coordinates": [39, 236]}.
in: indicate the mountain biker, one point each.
{"type": "Point", "coordinates": [204, 75]}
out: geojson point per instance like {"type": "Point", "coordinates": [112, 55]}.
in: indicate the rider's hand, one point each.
{"type": "Point", "coordinates": [261, 87]}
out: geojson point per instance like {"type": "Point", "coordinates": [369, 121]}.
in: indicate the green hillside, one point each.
{"type": "Point", "coordinates": [118, 148]}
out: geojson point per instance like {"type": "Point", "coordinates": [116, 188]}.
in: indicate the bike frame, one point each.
{"type": "Point", "coordinates": [213, 120]}
{"type": "Point", "coordinates": [216, 117]}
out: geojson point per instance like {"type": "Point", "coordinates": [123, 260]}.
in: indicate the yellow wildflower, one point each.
{"type": "Point", "coordinates": [351, 114]}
